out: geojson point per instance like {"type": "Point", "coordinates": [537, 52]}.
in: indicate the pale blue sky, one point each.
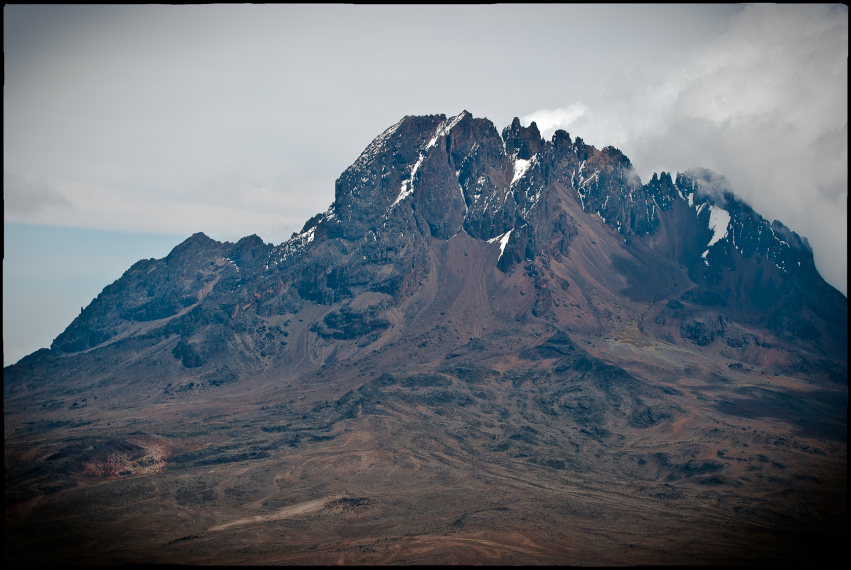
{"type": "Point", "coordinates": [128, 128]}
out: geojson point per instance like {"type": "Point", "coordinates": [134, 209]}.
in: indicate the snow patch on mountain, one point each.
{"type": "Point", "coordinates": [719, 222]}
{"type": "Point", "coordinates": [503, 241]}
{"type": "Point", "coordinates": [520, 167]}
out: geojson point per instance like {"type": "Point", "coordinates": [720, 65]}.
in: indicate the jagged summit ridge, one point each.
{"type": "Point", "coordinates": [487, 184]}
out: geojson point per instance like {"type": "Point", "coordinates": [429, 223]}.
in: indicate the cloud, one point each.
{"type": "Point", "coordinates": [710, 183]}
{"type": "Point", "coordinates": [548, 120]}
{"type": "Point", "coordinates": [260, 210]}
{"type": "Point", "coordinates": [764, 104]}
{"type": "Point", "coordinates": [26, 197]}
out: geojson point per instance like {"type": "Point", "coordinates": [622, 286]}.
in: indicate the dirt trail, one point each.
{"type": "Point", "coordinates": [285, 513]}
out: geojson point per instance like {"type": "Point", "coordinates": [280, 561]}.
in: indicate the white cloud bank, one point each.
{"type": "Point", "coordinates": [264, 210]}
{"type": "Point", "coordinates": [765, 105]}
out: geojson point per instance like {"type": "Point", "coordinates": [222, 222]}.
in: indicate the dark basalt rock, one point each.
{"type": "Point", "coordinates": [703, 331]}
{"type": "Point", "coordinates": [347, 324]}
{"type": "Point", "coordinates": [522, 142]}
{"type": "Point", "coordinates": [365, 191]}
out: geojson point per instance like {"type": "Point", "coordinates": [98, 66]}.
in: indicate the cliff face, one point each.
{"type": "Point", "coordinates": [529, 307]}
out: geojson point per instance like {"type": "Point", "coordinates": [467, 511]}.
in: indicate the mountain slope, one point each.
{"type": "Point", "coordinates": [542, 334]}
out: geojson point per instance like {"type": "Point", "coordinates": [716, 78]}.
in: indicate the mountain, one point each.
{"type": "Point", "coordinates": [491, 348]}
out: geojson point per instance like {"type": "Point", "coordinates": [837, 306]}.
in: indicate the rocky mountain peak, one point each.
{"type": "Point", "coordinates": [561, 141]}
{"type": "Point", "coordinates": [198, 241]}
{"type": "Point", "coordinates": [249, 251]}
{"type": "Point", "coordinates": [366, 190]}
{"type": "Point", "coordinates": [522, 142]}
{"type": "Point", "coordinates": [435, 177]}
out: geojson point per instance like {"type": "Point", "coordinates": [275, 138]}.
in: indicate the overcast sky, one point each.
{"type": "Point", "coordinates": [128, 128]}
